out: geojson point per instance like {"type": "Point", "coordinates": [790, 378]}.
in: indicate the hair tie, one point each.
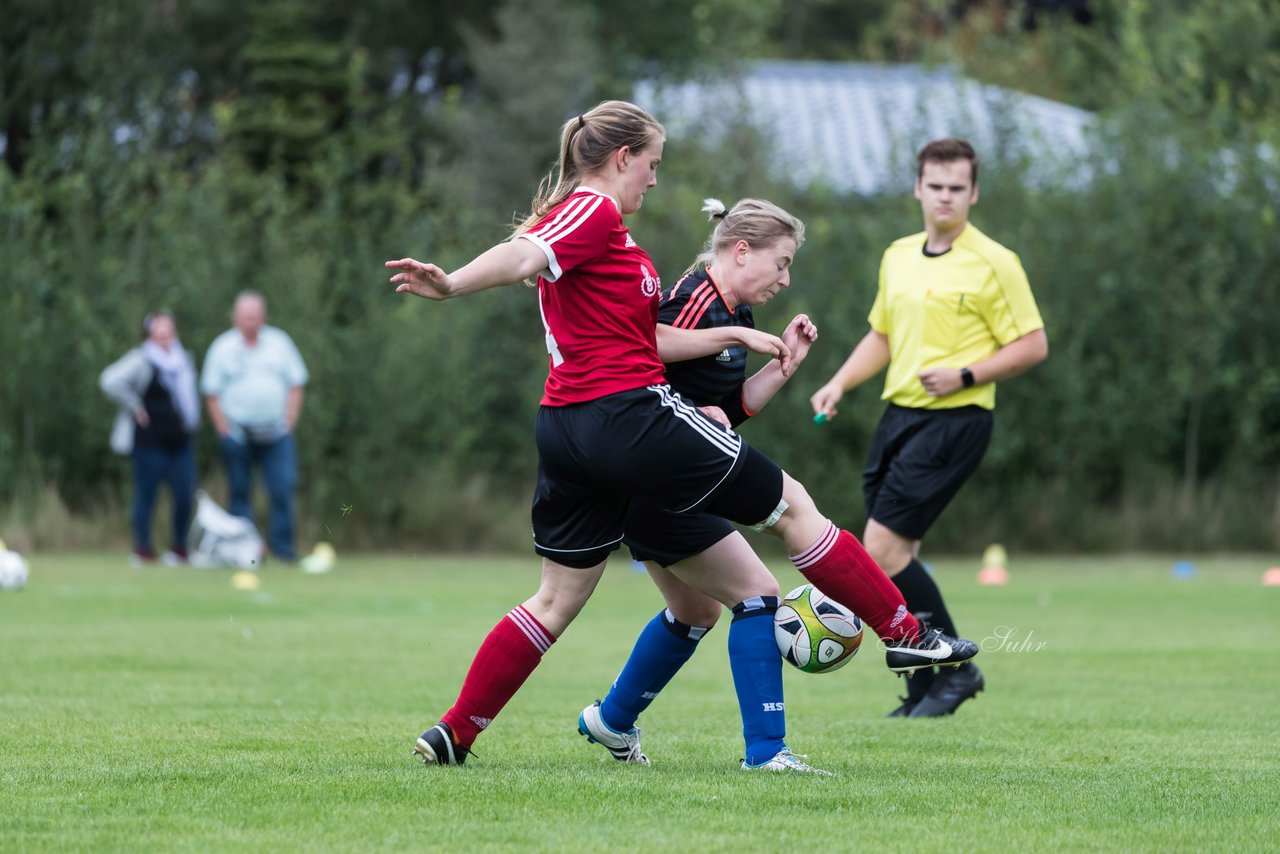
{"type": "Point", "coordinates": [581, 122]}
{"type": "Point", "coordinates": [722, 215]}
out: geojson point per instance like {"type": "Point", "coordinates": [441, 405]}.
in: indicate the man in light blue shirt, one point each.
{"type": "Point", "coordinates": [252, 381]}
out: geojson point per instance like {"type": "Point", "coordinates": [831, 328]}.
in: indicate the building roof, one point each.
{"type": "Point", "coordinates": [856, 126]}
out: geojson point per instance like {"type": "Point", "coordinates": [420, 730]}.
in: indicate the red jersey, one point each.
{"type": "Point", "coordinates": [599, 299]}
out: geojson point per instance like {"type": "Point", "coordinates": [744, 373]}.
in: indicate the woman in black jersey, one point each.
{"type": "Point", "coordinates": [746, 263]}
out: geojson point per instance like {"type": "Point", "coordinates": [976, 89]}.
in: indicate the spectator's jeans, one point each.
{"type": "Point", "coordinates": [279, 461]}
{"type": "Point", "coordinates": [151, 465]}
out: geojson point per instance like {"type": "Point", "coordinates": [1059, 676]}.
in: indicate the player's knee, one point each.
{"type": "Point", "coordinates": [798, 500]}
{"type": "Point", "coordinates": [703, 615]}
{"type": "Point", "coordinates": [797, 515]}
{"type": "Point", "coordinates": [562, 594]}
{"type": "Point", "coordinates": [890, 560]}
{"type": "Point", "coordinates": [762, 584]}
{"type": "Point", "coordinates": [886, 548]}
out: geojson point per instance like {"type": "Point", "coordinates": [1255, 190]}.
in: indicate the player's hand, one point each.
{"type": "Point", "coordinates": [140, 416]}
{"type": "Point", "coordinates": [824, 400]}
{"type": "Point", "coordinates": [939, 382]}
{"type": "Point", "coordinates": [768, 345]}
{"type": "Point", "coordinates": [425, 280]}
{"type": "Point", "coordinates": [716, 414]}
{"type": "Point", "coordinates": [799, 336]}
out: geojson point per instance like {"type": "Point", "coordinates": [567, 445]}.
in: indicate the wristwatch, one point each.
{"type": "Point", "coordinates": [966, 377]}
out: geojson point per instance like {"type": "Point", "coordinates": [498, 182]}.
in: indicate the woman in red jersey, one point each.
{"type": "Point", "coordinates": [610, 428]}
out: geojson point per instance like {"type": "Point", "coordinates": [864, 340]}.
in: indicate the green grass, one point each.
{"type": "Point", "coordinates": [163, 710]}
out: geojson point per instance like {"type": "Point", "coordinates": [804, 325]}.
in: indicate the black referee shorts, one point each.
{"type": "Point", "coordinates": [919, 459]}
{"type": "Point", "coordinates": [594, 457]}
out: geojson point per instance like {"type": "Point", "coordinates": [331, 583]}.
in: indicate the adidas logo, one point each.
{"type": "Point", "coordinates": [724, 356]}
{"type": "Point", "coordinates": [898, 616]}
{"type": "Point", "coordinates": [483, 723]}
{"type": "Point", "coordinates": [629, 243]}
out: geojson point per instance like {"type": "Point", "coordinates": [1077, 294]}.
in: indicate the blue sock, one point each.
{"type": "Point", "coordinates": [663, 647]}
{"type": "Point", "coordinates": [757, 677]}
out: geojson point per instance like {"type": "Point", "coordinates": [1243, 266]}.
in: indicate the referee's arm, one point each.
{"type": "Point", "coordinates": [869, 358]}
{"type": "Point", "coordinates": [1016, 357]}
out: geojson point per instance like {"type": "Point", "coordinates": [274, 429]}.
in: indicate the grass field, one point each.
{"type": "Point", "coordinates": [162, 710]}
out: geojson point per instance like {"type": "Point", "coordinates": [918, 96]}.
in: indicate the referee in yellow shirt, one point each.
{"type": "Point", "coordinates": [953, 315]}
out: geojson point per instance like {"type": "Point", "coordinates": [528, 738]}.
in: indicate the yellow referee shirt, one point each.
{"type": "Point", "coordinates": [949, 311]}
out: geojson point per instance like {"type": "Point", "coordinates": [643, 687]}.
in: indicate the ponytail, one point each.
{"type": "Point", "coordinates": [756, 221]}
{"type": "Point", "coordinates": [586, 143]}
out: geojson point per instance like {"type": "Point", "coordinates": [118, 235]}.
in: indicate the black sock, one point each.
{"type": "Point", "coordinates": [918, 683]}
{"type": "Point", "coordinates": [923, 597]}
{"type": "Point", "coordinates": [924, 600]}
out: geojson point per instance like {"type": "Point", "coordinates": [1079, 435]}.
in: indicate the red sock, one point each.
{"type": "Point", "coordinates": [502, 664]}
{"type": "Point", "coordinates": [840, 567]}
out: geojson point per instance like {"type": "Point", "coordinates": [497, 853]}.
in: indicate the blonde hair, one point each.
{"type": "Point", "coordinates": [586, 142]}
{"type": "Point", "coordinates": [756, 221]}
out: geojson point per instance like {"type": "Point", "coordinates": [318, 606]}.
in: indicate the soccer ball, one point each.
{"type": "Point", "coordinates": [814, 633]}
{"type": "Point", "coordinates": [13, 571]}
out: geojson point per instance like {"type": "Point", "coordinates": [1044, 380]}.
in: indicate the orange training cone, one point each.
{"type": "Point", "coordinates": [995, 561]}
{"type": "Point", "coordinates": [993, 575]}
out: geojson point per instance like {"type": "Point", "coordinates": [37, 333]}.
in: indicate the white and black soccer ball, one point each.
{"type": "Point", "coordinates": [13, 571]}
{"type": "Point", "coordinates": [814, 633]}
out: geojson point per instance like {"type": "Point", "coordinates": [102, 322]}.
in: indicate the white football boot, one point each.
{"type": "Point", "coordinates": [785, 760]}
{"type": "Point", "coordinates": [625, 746]}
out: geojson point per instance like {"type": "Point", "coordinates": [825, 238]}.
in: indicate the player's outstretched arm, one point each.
{"type": "Point", "coordinates": [677, 345]}
{"type": "Point", "coordinates": [760, 388]}
{"type": "Point", "coordinates": [507, 263]}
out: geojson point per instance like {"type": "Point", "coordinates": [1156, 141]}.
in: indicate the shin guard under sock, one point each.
{"type": "Point", "coordinates": [504, 661]}
{"type": "Point", "coordinates": [663, 647]}
{"type": "Point", "coordinates": [840, 567]}
{"type": "Point", "coordinates": [757, 678]}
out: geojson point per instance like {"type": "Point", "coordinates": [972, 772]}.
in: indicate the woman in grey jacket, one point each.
{"type": "Point", "coordinates": [155, 386]}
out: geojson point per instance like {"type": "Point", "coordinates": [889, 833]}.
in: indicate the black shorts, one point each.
{"type": "Point", "coordinates": [919, 459]}
{"type": "Point", "coordinates": [594, 457]}
{"type": "Point", "coordinates": [665, 537]}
